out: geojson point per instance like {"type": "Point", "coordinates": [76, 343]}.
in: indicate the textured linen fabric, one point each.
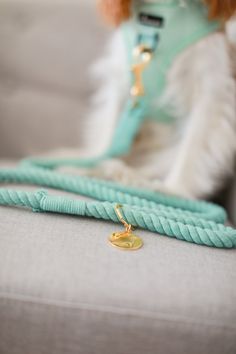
{"type": "Point", "coordinates": [64, 289]}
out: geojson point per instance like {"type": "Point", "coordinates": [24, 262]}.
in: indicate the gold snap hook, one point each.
{"type": "Point", "coordinates": [125, 240]}
{"type": "Point", "coordinates": [120, 216]}
{"type": "Point", "coordinates": [143, 55]}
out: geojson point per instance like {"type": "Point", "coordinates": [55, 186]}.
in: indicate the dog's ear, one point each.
{"type": "Point", "coordinates": [221, 9]}
{"type": "Point", "coordinates": [115, 11]}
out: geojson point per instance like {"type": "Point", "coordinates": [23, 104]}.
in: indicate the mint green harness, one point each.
{"type": "Point", "coordinates": [178, 28]}
{"type": "Point", "coordinates": [175, 28]}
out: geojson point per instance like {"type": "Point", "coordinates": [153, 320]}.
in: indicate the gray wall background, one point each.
{"type": "Point", "coordinates": [45, 53]}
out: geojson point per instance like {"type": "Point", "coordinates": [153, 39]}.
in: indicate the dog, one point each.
{"type": "Point", "coordinates": [193, 156]}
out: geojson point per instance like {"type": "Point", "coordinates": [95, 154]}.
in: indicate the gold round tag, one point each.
{"type": "Point", "coordinates": [126, 241]}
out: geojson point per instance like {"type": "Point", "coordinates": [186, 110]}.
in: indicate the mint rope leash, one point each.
{"type": "Point", "coordinates": [192, 221]}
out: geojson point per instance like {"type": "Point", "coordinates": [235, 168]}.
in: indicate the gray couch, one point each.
{"type": "Point", "coordinates": [63, 289]}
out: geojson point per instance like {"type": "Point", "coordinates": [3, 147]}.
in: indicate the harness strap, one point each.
{"type": "Point", "coordinates": [130, 122]}
{"type": "Point", "coordinates": [168, 33]}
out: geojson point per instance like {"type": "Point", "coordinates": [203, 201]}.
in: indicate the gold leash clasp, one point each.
{"type": "Point", "coordinates": [128, 227]}
{"type": "Point", "coordinates": [143, 56]}
{"type": "Point", "coordinates": [125, 240]}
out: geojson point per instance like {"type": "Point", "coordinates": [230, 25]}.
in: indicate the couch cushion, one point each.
{"type": "Point", "coordinates": [63, 289]}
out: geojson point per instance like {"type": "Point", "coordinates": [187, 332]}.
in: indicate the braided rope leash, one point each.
{"type": "Point", "coordinates": [197, 222]}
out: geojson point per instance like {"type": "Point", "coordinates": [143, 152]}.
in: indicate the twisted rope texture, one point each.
{"type": "Point", "coordinates": [192, 221]}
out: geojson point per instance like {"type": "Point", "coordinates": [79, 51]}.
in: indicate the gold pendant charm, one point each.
{"type": "Point", "coordinates": [125, 240]}
{"type": "Point", "coordinates": [129, 241]}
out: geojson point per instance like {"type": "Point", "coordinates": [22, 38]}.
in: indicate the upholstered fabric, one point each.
{"type": "Point", "coordinates": [63, 289]}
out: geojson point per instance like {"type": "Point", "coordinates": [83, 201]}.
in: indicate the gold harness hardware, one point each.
{"type": "Point", "coordinates": [125, 240]}
{"type": "Point", "coordinates": [143, 55]}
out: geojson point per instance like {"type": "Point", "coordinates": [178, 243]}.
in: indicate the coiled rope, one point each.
{"type": "Point", "coordinates": [197, 222]}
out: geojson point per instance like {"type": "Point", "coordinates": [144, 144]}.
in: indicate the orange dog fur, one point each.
{"type": "Point", "coordinates": [117, 11]}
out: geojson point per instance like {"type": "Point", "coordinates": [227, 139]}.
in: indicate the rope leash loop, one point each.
{"type": "Point", "coordinates": [197, 222]}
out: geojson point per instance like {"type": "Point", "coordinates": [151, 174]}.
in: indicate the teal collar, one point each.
{"type": "Point", "coordinates": [167, 29]}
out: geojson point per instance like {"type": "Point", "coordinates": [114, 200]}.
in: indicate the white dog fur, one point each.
{"type": "Point", "coordinates": [191, 158]}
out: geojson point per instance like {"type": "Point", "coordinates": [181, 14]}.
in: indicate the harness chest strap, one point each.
{"type": "Point", "coordinates": [164, 29]}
